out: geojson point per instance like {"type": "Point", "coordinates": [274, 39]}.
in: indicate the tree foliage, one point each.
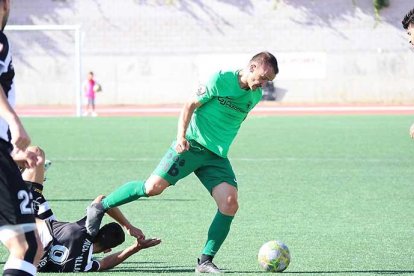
{"type": "Point", "coordinates": [378, 5]}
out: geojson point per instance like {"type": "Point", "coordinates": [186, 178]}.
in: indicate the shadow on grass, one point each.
{"type": "Point", "coordinates": [161, 268]}
{"type": "Point", "coordinates": [172, 269]}
{"type": "Point", "coordinates": [139, 267]}
{"type": "Point", "coordinates": [155, 271]}
{"type": "Point", "coordinates": [344, 272]}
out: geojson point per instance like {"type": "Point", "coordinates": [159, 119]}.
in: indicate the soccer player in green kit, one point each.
{"type": "Point", "coordinates": [207, 126]}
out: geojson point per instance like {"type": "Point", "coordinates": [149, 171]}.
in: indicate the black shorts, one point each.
{"type": "Point", "coordinates": [16, 200]}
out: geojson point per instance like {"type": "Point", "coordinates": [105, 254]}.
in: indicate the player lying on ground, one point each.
{"type": "Point", "coordinates": [408, 24]}
{"type": "Point", "coordinates": [69, 246]}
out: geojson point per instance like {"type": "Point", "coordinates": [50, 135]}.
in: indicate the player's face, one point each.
{"type": "Point", "coordinates": [410, 32]}
{"type": "Point", "coordinates": [259, 75]}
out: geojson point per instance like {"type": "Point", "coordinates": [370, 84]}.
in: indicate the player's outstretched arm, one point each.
{"type": "Point", "coordinates": [119, 217]}
{"type": "Point", "coordinates": [119, 257]}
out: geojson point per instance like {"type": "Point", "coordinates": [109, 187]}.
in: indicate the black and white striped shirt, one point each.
{"type": "Point", "coordinates": [6, 82]}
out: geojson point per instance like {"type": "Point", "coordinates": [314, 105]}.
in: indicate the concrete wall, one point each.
{"type": "Point", "coordinates": [143, 51]}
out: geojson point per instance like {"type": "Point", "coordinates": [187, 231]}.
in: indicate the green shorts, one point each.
{"type": "Point", "coordinates": [210, 168]}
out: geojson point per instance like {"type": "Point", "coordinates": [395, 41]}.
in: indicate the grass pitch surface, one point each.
{"type": "Point", "coordinates": [338, 190]}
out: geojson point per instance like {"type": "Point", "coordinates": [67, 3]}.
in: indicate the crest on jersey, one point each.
{"type": "Point", "coordinates": [58, 254]}
{"type": "Point", "coordinates": [201, 90]}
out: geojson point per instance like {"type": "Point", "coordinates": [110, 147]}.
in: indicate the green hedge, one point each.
{"type": "Point", "coordinates": [379, 4]}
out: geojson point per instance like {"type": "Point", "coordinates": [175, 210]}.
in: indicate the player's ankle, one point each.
{"type": "Point", "coordinates": [204, 258]}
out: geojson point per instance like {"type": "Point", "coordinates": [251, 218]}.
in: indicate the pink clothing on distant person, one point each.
{"type": "Point", "coordinates": [89, 92]}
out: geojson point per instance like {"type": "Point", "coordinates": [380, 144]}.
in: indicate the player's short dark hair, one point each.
{"type": "Point", "coordinates": [110, 235]}
{"type": "Point", "coordinates": [268, 58]}
{"type": "Point", "coordinates": [408, 18]}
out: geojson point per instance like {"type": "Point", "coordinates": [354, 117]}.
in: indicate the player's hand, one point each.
{"type": "Point", "coordinates": [20, 138]}
{"type": "Point", "coordinates": [182, 145]}
{"type": "Point", "coordinates": [135, 232]}
{"type": "Point", "coordinates": [412, 131]}
{"type": "Point", "coordinates": [142, 244]}
{"type": "Point", "coordinates": [26, 159]}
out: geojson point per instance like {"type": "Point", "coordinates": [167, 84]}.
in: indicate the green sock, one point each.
{"type": "Point", "coordinates": [217, 233]}
{"type": "Point", "coordinates": [126, 193]}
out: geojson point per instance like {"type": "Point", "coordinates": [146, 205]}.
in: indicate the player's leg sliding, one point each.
{"type": "Point", "coordinates": [126, 193]}
{"type": "Point", "coordinates": [217, 233]}
{"type": "Point", "coordinates": [94, 215]}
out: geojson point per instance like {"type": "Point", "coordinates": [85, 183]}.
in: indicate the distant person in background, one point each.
{"type": "Point", "coordinates": [408, 24]}
{"type": "Point", "coordinates": [17, 222]}
{"type": "Point", "coordinates": [91, 87]}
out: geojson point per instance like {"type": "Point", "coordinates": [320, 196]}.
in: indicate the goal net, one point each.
{"type": "Point", "coordinates": [47, 61]}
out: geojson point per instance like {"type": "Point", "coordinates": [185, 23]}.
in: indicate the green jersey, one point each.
{"type": "Point", "coordinates": [224, 107]}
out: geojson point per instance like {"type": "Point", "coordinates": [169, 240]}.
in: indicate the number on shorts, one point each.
{"type": "Point", "coordinates": [25, 206]}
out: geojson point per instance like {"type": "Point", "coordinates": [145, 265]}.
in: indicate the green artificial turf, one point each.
{"type": "Point", "coordinates": [337, 190]}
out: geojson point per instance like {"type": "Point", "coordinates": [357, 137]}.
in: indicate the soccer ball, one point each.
{"type": "Point", "coordinates": [97, 87]}
{"type": "Point", "coordinates": [274, 256]}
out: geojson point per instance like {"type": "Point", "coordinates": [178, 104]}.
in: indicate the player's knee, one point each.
{"type": "Point", "coordinates": [154, 188]}
{"type": "Point", "coordinates": [18, 251]}
{"type": "Point", "coordinates": [229, 207]}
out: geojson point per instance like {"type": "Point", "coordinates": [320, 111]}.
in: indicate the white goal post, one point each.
{"type": "Point", "coordinates": [77, 52]}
